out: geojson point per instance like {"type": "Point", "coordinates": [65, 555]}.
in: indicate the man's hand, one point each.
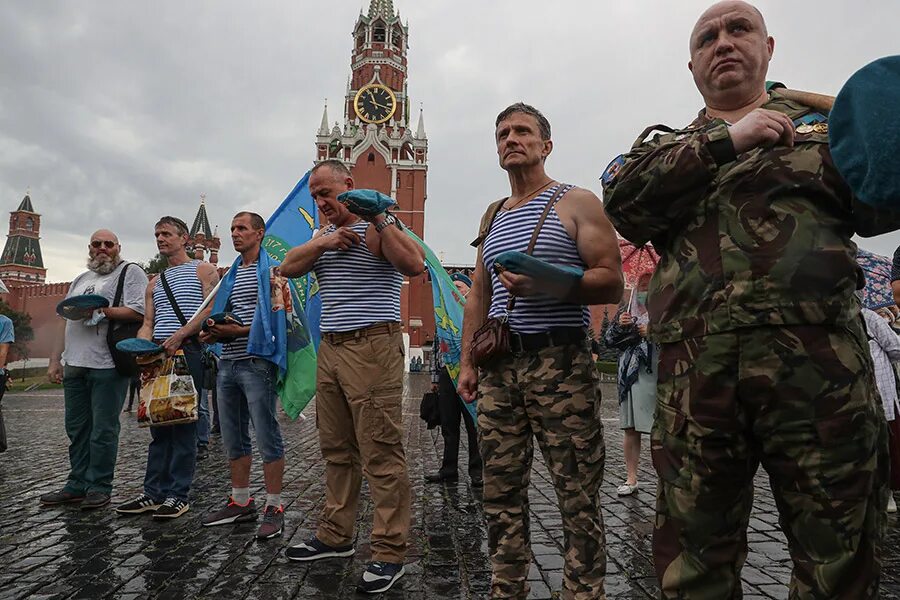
{"type": "Point", "coordinates": [207, 338]}
{"type": "Point", "coordinates": [55, 372]}
{"type": "Point", "coordinates": [762, 127]}
{"type": "Point", "coordinates": [342, 239]}
{"type": "Point", "coordinates": [642, 330]}
{"type": "Point", "coordinates": [434, 387]}
{"type": "Point", "coordinates": [467, 383]}
{"type": "Point", "coordinates": [625, 319]}
{"type": "Point", "coordinates": [174, 342]}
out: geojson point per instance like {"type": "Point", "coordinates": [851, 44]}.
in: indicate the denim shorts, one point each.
{"type": "Point", "coordinates": [246, 393]}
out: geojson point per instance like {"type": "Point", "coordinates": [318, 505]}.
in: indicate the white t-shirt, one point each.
{"type": "Point", "coordinates": [86, 346]}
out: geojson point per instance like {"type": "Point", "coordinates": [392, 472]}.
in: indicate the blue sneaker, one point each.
{"type": "Point", "coordinates": [315, 550]}
{"type": "Point", "coordinates": [379, 577]}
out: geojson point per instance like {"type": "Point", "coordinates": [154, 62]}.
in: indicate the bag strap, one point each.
{"type": "Point", "coordinates": [488, 220]}
{"type": "Point", "coordinates": [193, 339]}
{"type": "Point", "coordinates": [120, 286]}
{"type": "Point", "coordinates": [537, 230]}
{"type": "Point", "coordinates": [171, 297]}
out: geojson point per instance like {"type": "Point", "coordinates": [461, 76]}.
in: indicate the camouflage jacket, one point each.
{"type": "Point", "coordinates": [763, 238]}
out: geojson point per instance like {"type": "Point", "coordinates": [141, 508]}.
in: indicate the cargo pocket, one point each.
{"type": "Point", "coordinates": [847, 461]}
{"type": "Point", "coordinates": [668, 447]}
{"type": "Point", "coordinates": [385, 414]}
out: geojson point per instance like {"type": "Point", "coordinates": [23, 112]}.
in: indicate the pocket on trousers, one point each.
{"type": "Point", "coordinates": [668, 446]}
{"type": "Point", "coordinates": [385, 414]}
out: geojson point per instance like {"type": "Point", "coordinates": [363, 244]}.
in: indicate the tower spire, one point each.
{"type": "Point", "coordinates": [323, 128]}
{"type": "Point", "coordinates": [420, 130]}
{"type": "Point", "coordinates": [382, 8]}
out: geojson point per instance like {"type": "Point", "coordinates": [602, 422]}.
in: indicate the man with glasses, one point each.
{"type": "Point", "coordinates": [94, 390]}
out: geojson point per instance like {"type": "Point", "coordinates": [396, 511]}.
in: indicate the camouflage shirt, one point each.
{"type": "Point", "coordinates": [763, 238]}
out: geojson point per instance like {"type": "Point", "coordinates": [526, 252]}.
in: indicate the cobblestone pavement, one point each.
{"type": "Point", "coordinates": [67, 553]}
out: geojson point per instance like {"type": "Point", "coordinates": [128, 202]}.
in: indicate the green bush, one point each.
{"type": "Point", "coordinates": [608, 367]}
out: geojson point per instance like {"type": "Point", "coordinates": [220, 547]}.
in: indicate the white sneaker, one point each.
{"type": "Point", "coordinates": [892, 504]}
{"type": "Point", "coordinates": [627, 489]}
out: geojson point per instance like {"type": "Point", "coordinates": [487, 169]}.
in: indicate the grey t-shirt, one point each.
{"type": "Point", "coordinates": [86, 346]}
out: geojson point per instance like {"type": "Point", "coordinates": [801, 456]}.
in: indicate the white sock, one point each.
{"type": "Point", "coordinates": [240, 496]}
{"type": "Point", "coordinates": [273, 500]}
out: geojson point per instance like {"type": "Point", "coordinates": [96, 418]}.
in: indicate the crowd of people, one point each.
{"type": "Point", "coordinates": [747, 346]}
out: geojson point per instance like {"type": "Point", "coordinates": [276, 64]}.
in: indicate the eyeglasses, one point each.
{"type": "Point", "coordinates": [104, 243]}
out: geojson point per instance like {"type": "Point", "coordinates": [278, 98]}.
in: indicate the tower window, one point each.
{"type": "Point", "coordinates": [397, 38]}
{"type": "Point", "coordinates": [371, 157]}
{"type": "Point", "coordinates": [378, 34]}
{"type": "Point", "coordinates": [29, 224]}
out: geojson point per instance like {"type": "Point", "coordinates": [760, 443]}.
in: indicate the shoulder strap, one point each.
{"type": "Point", "coordinates": [537, 230]}
{"type": "Point", "coordinates": [120, 286]}
{"type": "Point", "coordinates": [171, 297]}
{"type": "Point", "coordinates": [487, 220]}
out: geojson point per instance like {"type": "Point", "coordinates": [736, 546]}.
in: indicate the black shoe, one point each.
{"type": "Point", "coordinates": [379, 577]}
{"type": "Point", "coordinates": [141, 504]}
{"type": "Point", "coordinates": [315, 550]}
{"type": "Point", "coordinates": [61, 497]}
{"type": "Point", "coordinates": [202, 452]}
{"type": "Point", "coordinates": [272, 523]}
{"type": "Point", "coordinates": [94, 500]}
{"type": "Point", "coordinates": [232, 513]}
{"type": "Point", "coordinates": [172, 508]}
{"type": "Point", "coordinates": [439, 477]}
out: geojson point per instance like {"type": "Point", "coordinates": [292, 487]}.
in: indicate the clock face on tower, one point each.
{"type": "Point", "coordinates": [375, 103]}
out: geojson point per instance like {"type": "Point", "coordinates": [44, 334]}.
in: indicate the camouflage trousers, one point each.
{"type": "Point", "coordinates": [551, 394]}
{"type": "Point", "coordinates": [802, 401]}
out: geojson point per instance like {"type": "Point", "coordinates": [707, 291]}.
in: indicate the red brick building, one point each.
{"type": "Point", "coordinates": [375, 139]}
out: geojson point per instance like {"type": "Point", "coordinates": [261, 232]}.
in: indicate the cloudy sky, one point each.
{"type": "Point", "coordinates": [115, 113]}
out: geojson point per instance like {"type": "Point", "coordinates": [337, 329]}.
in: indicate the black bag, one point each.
{"type": "Point", "coordinates": [429, 410]}
{"type": "Point", "coordinates": [118, 331]}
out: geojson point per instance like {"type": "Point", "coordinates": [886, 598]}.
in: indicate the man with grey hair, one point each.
{"type": "Point", "coordinates": [546, 386]}
{"type": "Point", "coordinates": [94, 390]}
{"type": "Point", "coordinates": [763, 357]}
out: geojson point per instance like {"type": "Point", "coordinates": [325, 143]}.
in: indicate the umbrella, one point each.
{"type": "Point", "coordinates": [877, 269]}
{"type": "Point", "coordinates": [636, 261]}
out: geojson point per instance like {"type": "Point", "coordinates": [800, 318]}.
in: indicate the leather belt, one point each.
{"type": "Point", "coordinates": [558, 336]}
{"type": "Point", "coordinates": [340, 337]}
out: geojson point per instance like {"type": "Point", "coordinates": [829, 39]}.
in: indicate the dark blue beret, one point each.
{"type": "Point", "coordinates": [138, 346]}
{"type": "Point", "coordinates": [461, 277]}
{"type": "Point", "coordinates": [864, 133]}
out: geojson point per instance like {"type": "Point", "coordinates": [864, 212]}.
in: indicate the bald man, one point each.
{"type": "Point", "coordinates": [763, 356]}
{"type": "Point", "coordinates": [94, 389]}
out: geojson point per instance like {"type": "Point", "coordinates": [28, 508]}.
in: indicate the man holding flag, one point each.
{"type": "Point", "coordinates": [253, 349]}
{"type": "Point", "coordinates": [359, 381]}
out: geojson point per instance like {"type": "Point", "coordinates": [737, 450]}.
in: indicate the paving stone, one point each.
{"type": "Point", "coordinates": [67, 553]}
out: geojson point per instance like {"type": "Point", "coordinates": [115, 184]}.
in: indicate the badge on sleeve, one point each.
{"type": "Point", "coordinates": [612, 169]}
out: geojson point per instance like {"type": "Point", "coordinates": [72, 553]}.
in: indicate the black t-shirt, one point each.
{"type": "Point", "coordinates": [895, 271]}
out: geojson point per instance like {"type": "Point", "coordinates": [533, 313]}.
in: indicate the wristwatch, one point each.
{"type": "Point", "coordinates": [389, 220]}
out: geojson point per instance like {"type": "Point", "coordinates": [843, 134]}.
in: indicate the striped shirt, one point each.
{"type": "Point", "coordinates": [357, 288]}
{"type": "Point", "coordinates": [512, 230]}
{"type": "Point", "coordinates": [188, 292]}
{"type": "Point", "coordinates": [243, 300]}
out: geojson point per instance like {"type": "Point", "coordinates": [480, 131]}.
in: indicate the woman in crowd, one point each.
{"type": "Point", "coordinates": [636, 378]}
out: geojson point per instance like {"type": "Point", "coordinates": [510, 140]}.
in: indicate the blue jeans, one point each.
{"type": "Point", "coordinates": [246, 392]}
{"type": "Point", "coordinates": [173, 449]}
{"type": "Point", "coordinates": [203, 420]}
{"type": "Point", "coordinates": [94, 399]}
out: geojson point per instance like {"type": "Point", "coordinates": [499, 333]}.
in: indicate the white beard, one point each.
{"type": "Point", "coordinates": [103, 265]}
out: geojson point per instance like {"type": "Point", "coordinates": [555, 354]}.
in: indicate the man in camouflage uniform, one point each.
{"type": "Point", "coordinates": [547, 387]}
{"type": "Point", "coordinates": [763, 355]}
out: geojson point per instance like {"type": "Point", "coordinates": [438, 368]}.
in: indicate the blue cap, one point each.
{"type": "Point", "coordinates": [367, 203]}
{"type": "Point", "coordinates": [864, 133]}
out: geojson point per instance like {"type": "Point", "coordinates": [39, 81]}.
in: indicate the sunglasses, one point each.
{"type": "Point", "coordinates": [104, 243]}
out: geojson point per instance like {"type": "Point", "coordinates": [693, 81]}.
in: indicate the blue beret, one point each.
{"type": "Point", "coordinates": [80, 307]}
{"type": "Point", "coordinates": [366, 202]}
{"type": "Point", "coordinates": [461, 277]}
{"type": "Point", "coordinates": [525, 264]}
{"type": "Point", "coordinates": [138, 346]}
{"type": "Point", "coordinates": [864, 133]}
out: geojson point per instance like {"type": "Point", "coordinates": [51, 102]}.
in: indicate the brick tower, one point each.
{"type": "Point", "coordinates": [21, 262]}
{"type": "Point", "coordinates": [376, 140]}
